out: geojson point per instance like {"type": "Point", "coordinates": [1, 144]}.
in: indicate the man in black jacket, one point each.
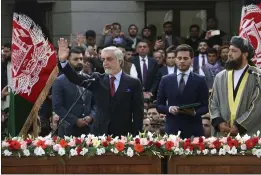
{"type": "Point", "coordinates": [117, 95]}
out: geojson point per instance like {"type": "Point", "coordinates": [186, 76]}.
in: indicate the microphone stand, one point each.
{"type": "Point", "coordinates": [70, 109]}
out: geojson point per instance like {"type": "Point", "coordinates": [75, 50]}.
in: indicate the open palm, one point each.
{"type": "Point", "coordinates": [63, 51]}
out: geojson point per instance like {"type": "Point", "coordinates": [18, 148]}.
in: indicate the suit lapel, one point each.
{"type": "Point", "coordinates": [121, 86]}
{"type": "Point", "coordinates": [150, 65]}
{"type": "Point", "coordinates": [137, 64]}
{"type": "Point", "coordinates": [165, 71]}
{"type": "Point", "coordinates": [189, 82]}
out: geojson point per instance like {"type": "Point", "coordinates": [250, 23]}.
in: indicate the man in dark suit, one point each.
{"type": "Point", "coordinates": [147, 69]}
{"type": "Point", "coordinates": [202, 57]}
{"type": "Point", "coordinates": [183, 88]}
{"type": "Point", "coordinates": [118, 96]}
{"type": "Point", "coordinates": [64, 94]}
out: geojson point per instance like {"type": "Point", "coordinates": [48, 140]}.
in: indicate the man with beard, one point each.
{"type": "Point", "coordinates": [64, 94]}
{"type": "Point", "coordinates": [201, 59]}
{"type": "Point", "coordinates": [133, 30]}
{"type": "Point", "coordinates": [235, 102]}
{"type": "Point", "coordinates": [223, 54]}
{"type": "Point", "coordinates": [118, 96]}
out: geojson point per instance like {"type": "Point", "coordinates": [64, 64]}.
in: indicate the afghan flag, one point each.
{"type": "Point", "coordinates": [33, 72]}
{"type": "Point", "coordinates": [250, 27]}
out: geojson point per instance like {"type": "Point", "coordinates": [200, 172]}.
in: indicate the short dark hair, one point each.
{"type": "Point", "coordinates": [81, 49]}
{"type": "Point", "coordinates": [194, 26]}
{"type": "Point", "coordinates": [143, 41]}
{"type": "Point", "coordinates": [212, 50]}
{"type": "Point", "coordinates": [171, 51]}
{"type": "Point", "coordinates": [90, 33]}
{"type": "Point", "coordinates": [116, 23]}
{"type": "Point", "coordinates": [185, 47]}
{"type": "Point", "coordinates": [75, 50]}
{"type": "Point", "coordinates": [152, 106]}
{"type": "Point", "coordinates": [206, 117]}
{"type": "Point", "coordinates": [167, 23]}
{"type": "Point", "coordinates": [203, 41]}
{"type": "Point", "coordinates": [99, 48]}
{"type": "Point", "coordinates": [8, 45]}
{"type": "Point", "coordinates": [134, 26]}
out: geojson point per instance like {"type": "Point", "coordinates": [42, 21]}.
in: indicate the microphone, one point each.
{"type": "Point", "coordinates": [250, 71]}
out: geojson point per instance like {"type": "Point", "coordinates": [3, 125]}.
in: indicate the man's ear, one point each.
{"type": "Point", "coordinates": [245, 54]}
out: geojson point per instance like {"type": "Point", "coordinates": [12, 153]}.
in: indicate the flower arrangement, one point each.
{"type": "Point", "coordinates": [144, 143]}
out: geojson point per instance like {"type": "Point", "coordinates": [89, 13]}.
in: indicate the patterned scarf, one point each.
{"type": "Point", "coordinates": [214, 69]}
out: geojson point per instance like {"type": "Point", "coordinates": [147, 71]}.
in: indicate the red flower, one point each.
{"type": "Point", "coordinates": [232, 143]}
{"type": "Point", "coordinates": [150, 143]}
{"type": "Point", "coordinates": [229, 139]}
{"type": "Point", "coordinates": [63, 143]}
{"type": "Point", "coordinates": [138, 148]}
{"type": "Point", "coordinates": [255, 140]}
{"type": "Point", "coordinates": [137, 141]}
{"type": "Point", "coordinates": [109, 138]}
{"type": "Point", "coordinates": [55, 138]}
{"type": "Point", "coordinates": [41, 143]}
{"type": "Point", "coordinates": [78, 141]}
{"type": "Point", "coordinates": [169, 145]}
{"type": "Point", "coordinates": [188, 140]}
{"type": "Point", "coordinates": [188, 145]}
{"type": "Point", "coordinates": [78, 150]}
{"type": "Point", "coordinates": [200, 140]}
{"type": "Point", "coordinates": [250, 143]}
{"type": "Point", "coordinates": [9, 141]}
{"type": "Point", "coordinates": [14, 145]}
{"type": "Point", "coordinates": [119, 146]}
{"type": "Point", "coordinates": [105, 144]}
{"type": "Point", "coordinates": [201, 146]}
{"type": "Point", "coordinates": [217, 144]}
{"type": "Point", "coordinates": [28, 141]}
{"type": "Point", "coordinates": [158, 144]}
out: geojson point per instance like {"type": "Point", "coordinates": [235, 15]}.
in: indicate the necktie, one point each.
{"type": "Point", "coordinates": [145, 71]}
{"type": "Point", "coordinates": [181, 84]}
{"type": "Point", "coordinates": [203, 60]}
{"type": "Point", "coordinates": [112, 86]}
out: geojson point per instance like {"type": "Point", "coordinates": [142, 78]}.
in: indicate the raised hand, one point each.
{"type": "Point", "coordinates": [63, 51]}
{"type": "Point", "coordinates": [80, 39]}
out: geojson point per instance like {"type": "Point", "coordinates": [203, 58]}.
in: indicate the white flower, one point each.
{"type": "Point", "coordinates": [144, 141]}
{"type": "Point", "coordinates": [258, 153]}
{"type": "Point", "coordinates": [130, 152]}
{"type": "Point", "coordinates": [205, 151]}
{"type": "Point", "coordinates": [26, 152]}
{"type": "Point", "coordinates": [188, 152]}
{"type": "Point", "coordinates": [213, 151]}
{"type": "Point", "coordinates": [72, 143]}
{"type": "Point", "coordinates": [100, 151]}
{"type": "Point", "coordinates": [181, 151]}
{"type": "Point", "coordinates": [254, 150]}
{"type": "Point", "coordinates": [102, 138]}
{"type": "Point", "coordinates": [258, 133]}
{"type": "Point", "coordinates": [67, 138]}
{"type": "Point", "coordinates": [49, 142]}
{"type": "Point", "coordinates": [226, 148]}
{"type": "Point", "coordinates": [84, 151]}
{"type": "Point", "coordinates": [198, 152]}
{"type": "Point", "coordinates": [222, 152]}
{"type": "Point", "coordinates": [56, 147]}
{"type": "Point", "coordinates": [83, 136]}
{"type": "Point", "coordinates": [233, 151]}
{"type": "Point", "coordinates": [150, 135]}
{"type": "Point", "coordinates": [243, 147]}
{"type": "Point", "coordinates": [96, 142]}
{"type": "Point", "coordinates": [115, 151]}
{"type": "Point", "coordinates": [23, 145]}
{"type": "Point", "coordinates": [39, 151]}
{"type": "Point", "coordinates": [7, 153]}
{"type": "Point", "coordinates": [61, 151]}
{"type": "Point", "coordinates": [246, 137]}
{"type": "Point", "coordinates": [5, 144]}
{"type": "Point", "coordinates": [73, 152]}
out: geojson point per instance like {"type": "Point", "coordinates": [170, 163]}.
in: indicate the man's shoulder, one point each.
{"type": "Point", "coordinates": [221, 74]}
{"type": "Point", "coordinates": [168, 77]}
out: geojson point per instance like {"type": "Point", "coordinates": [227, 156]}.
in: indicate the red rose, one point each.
{"type": "Point", "coordinates": [158, 144]}
{"type": "Point", "coordinates": [14, 145]}
{"type": "Point", "coordinates": [28, 141]}
{"type": "Point", "coordinates": [78, 149]}
{"type": "Point", "coordinates": [78, 141]}
{"type": "Point", "coordinates": [217, 144]}
{"type": "Point", "coordinates": [137, 141]}
{"type": "Point", "coordinates": [188, 140]}
{"type": "Point", "coordinates": [55, 138]}
{"type": "Point", "coordinates": [41, 143]}
{"type": "Point", "coordinates": [232, 143]}
{"type": "Point", "coordinates": [150, 143]}
{"type": "Point", "coordinates": [105, 144]}
{"type": "Point", "coordinates": [169, 145]}
{"type": "Point", "coordinates": [188, 145]}
{"type": "Point", "coordinates": [200, 140]}
{"type": "Point", "coordinates": [201, 146]}
{"type": "Point", "coordinates": [250, 144]}
{"type": "Point", "coordinates": [109, 138]}
{"type": "Point", "coordinates": [255, 140]}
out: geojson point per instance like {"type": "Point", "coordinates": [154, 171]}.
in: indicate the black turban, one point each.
{"type": "Point", "coordinates": [245, 46]}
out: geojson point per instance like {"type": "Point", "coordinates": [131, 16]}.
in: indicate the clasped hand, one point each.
{"type": "Point", "coordinates": [224, 128]}
{"type": "Point", "coordinates": [83, 122]}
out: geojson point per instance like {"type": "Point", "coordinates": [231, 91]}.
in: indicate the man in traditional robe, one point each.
{"type": "Point", "coordinates": [235, 103]}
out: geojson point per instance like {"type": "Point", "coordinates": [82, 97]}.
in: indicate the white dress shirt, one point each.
{"type": "Point", "coordinates": [171, 69]}
{"type": "Point", "coordinates": [141, 64]}
{"type": "Point", "coordinates": [237, 75]}
{"type": "Point", "coordinates": [133, 71]}
{"type": "Point", "coordinates": [117, 80]}
{"type": "Point", "coordinates": [186, 76]}
{"type": "Point", "coordinates": [200, 62]}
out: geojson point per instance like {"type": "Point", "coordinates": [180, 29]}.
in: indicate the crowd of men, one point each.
{"type": "Point", "coordinates": [131, 84]}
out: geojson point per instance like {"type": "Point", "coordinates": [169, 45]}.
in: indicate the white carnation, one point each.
{"type": "Point", "coordinates": [100, 151]}
{"type": "Point", "coordinates": [5, 144]}
{"type": "Point", "coordinates": [222, 152]}
{"type": "Point", "coordinates": [198, 152]}
{"type": "Point", "coordinates": [144, 141]}
{"type": "Point", "coordinates": [258, 153]}
{"type": "Point", "coordinates": [56, 147]}
{"type": "Point", "coordinates": [181, 151]}
{"type": "Point", "coordinates": [26, 152]}
{"type": "Point", "coordinates": [73, 152]}
{"type": "Point", "coordinates": [61, 151]}
{"type": "Point", "coordinates": [84, 151]}
{"type": "Point", "coordinates": [205, 151]}
{"type": "Point", "coordinates": [115, 151]}
{"type": "Point", "coordinates": [7, 153]}
{"type": "Point", "coordinates": [38, 151]}
{"type": "Point", "coordinates": [213, 151]}
{"type": "Point", "coordinates": [130, 152]}
{"type": "Point", "coordinates": [233, 151]}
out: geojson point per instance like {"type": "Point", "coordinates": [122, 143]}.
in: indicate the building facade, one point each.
{"type": "Point", "coordinates": [64, 18]}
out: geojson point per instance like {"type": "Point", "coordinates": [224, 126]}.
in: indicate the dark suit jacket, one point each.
{"type": "Point", "coordinates": [196, 91]}
{"type": "Point", "coordinates": [118, 115]}
{"type": "Point", "coordinates": [151, 83]}
{"type": "Point", "coordinates": [210, 76]}
{"type": "Point", "coordinates": [64, 94]}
